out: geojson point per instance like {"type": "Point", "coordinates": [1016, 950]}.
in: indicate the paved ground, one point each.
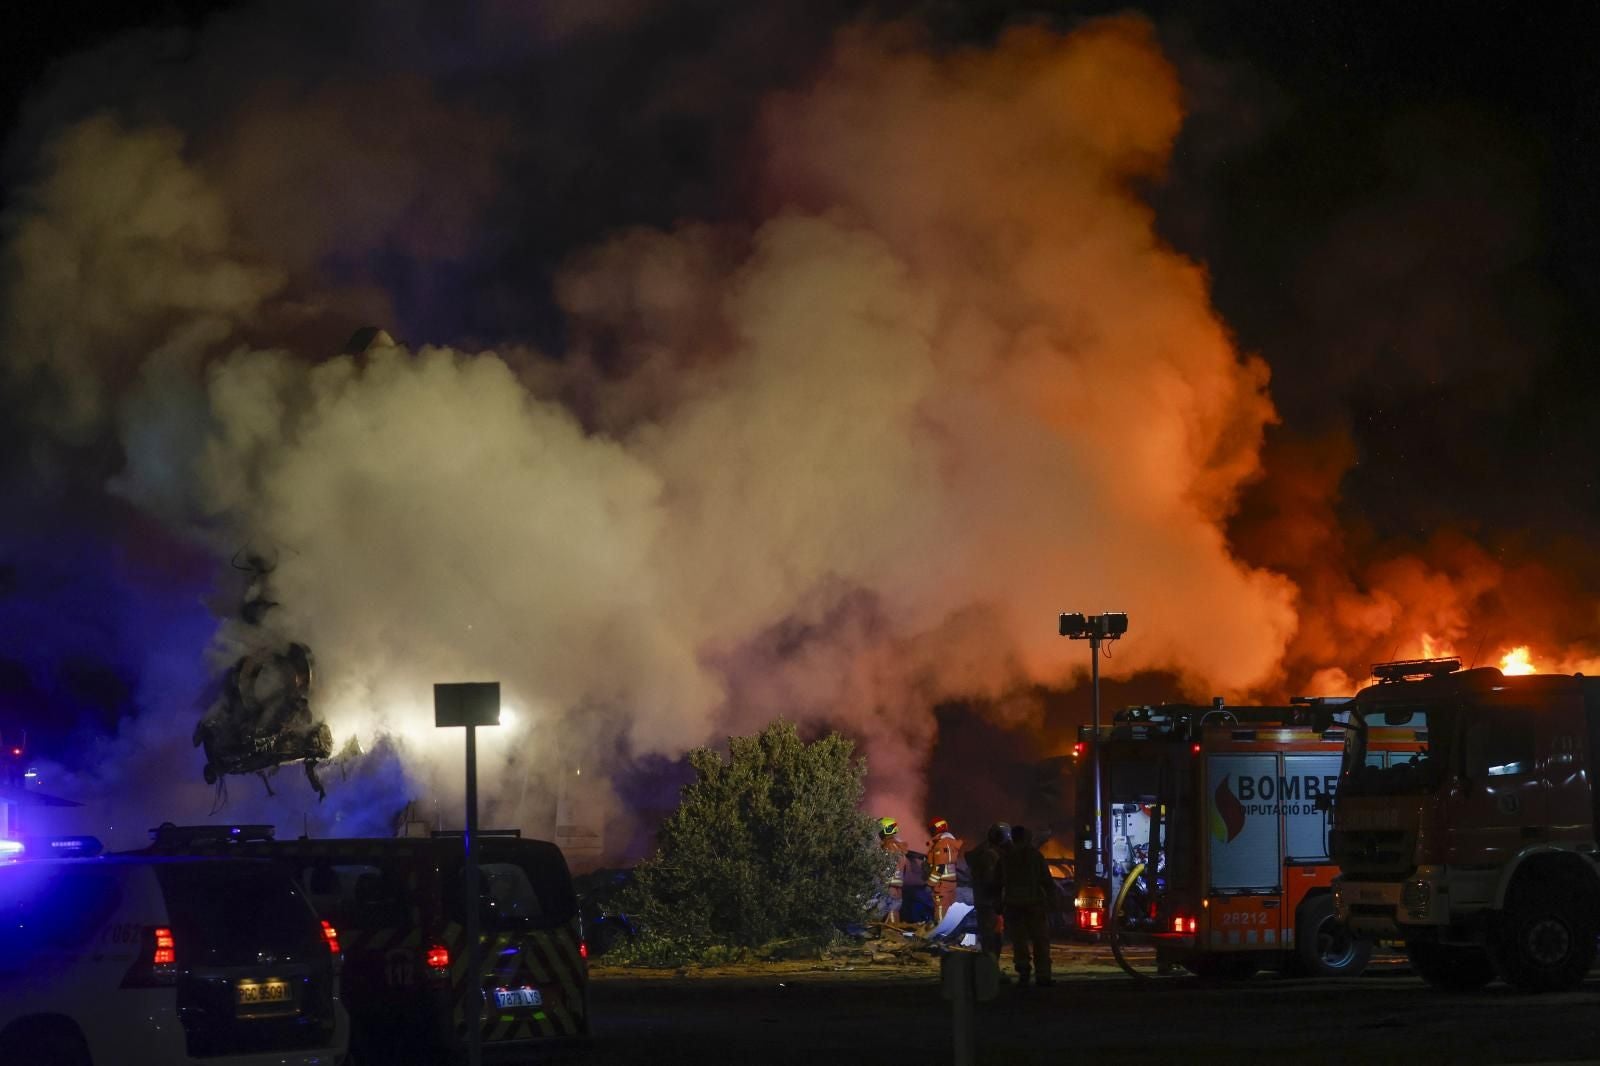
{"type": "Point", "coordinates": [821, 1014]}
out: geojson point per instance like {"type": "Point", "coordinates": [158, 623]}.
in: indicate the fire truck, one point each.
{"type": "Point", "coordinates": [1216, 846]}
{"type": "Point", "coordinates": [1482, 854]}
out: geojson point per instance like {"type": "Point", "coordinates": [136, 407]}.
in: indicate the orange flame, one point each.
{"type": "Point", "coordinates": [1517, 661]}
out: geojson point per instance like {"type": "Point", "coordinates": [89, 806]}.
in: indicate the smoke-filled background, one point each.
{"type": "Point", "coordinates": [785, 359]}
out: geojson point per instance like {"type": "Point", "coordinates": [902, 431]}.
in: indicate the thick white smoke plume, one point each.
{"type": "Point", "coordinates": [840, 465]}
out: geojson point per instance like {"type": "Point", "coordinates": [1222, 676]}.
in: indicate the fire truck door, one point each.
{"type": "Point", "coordinates": [1503, 798]}
{"type": "Point", "coordinates": [1244, 815]}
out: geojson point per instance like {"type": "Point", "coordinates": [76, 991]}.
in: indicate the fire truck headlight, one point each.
{"type": "Point", "coordinates": [1416, 897]}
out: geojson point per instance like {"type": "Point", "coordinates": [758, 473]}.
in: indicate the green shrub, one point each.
{"type": "Point", "coordinates": [769, 844]}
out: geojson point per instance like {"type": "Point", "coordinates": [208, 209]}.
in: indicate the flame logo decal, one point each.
{"type": "Point", "coordinates": [1227, 814]}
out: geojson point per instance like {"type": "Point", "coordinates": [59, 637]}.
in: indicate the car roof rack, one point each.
{"type": "Point", "coordinates": [167, 833]}
{"type": "Point", "coordinates": [1400, 669]}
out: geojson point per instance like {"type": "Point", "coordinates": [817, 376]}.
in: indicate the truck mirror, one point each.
{"type": "Point", "coordinates": [1323, 802]}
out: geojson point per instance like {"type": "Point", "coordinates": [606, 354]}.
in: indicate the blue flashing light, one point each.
{"type": "Point", "coordinates": [74, 847]}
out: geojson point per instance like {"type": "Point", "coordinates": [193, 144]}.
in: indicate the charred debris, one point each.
{"type": "Point", "coordinates": [260, 715]}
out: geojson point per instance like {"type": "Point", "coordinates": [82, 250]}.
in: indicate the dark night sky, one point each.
{"type": "Point", "coordinates": [1397, 205]}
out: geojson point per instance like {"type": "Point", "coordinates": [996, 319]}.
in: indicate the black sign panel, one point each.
{"type": "Point", "coordinates": [466, 703]}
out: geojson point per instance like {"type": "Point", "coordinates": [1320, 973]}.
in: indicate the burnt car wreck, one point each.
{"type": "Point", "coordinates": [260, 717]}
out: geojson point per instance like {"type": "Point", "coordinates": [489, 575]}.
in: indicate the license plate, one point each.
{"type": "Point", "coordinates": [263, 992]}
{"type": "Point", "coordinates": [518, 997]}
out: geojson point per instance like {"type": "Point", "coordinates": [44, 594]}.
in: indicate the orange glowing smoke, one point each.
{"type": "Point", "coordinates": [1432, 649]}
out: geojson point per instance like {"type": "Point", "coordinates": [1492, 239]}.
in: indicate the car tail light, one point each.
{"type": "Point", "coordinates": [1177, 924]}
{"type": "Point", "coordinates": [331, 935]}
{"type": "Point", "coordinates": [438, 960]}
{"type": "Point", "coordinates": [157, 961]}
{"type": "Point", "coordinates": [583, 949]}
{"type": "Point", "coordinates": [1191, 924]}
{"type": "Point", "coordinates": [166, 953]}
{"type": "Point", "coordinates": [1089, 919]}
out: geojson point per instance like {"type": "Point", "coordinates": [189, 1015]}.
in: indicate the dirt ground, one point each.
{"type": "Point", "coordinates": [857, 1009]}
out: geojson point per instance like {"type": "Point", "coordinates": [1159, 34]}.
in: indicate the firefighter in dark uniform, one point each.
{"type": "Point", "coordinates": [889, 840]}
{"type": "Point", "coordinates": [984, 863]}
{"type": "Point", "coordinates": [1028, 892]}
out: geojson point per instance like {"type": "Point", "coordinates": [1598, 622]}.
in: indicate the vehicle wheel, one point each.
{"type": "Point", "coordinates": [53, 1045]}
{"type": "Point", "coordinates": [1451, 968]}
{"type": "Point", "coordinates": [1545, 941]}
{"type": "Point", "coordinates": [1323, 945]}
{"type": "Point", "coordinates": [1236, 967]}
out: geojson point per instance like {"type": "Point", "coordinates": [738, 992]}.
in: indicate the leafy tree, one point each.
{"type": "Point", "coordinates": [769, 844]}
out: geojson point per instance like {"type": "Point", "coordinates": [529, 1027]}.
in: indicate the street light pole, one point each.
{"type": "Point", "coordinates": [1096, 629]}
{"type": "Point", "coordinates": [1099, 788]}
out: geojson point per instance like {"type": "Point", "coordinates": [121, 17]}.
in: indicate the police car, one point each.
{"type": "Point", "coordinates": [108, 960]}
{"type": "Point", "coordinates": [400, 904]}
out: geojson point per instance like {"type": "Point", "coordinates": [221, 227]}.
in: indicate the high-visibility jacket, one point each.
{"type": "Point", "coordinates": [944, 854]}
{"type": "Point", "coordinates": [896, 847]}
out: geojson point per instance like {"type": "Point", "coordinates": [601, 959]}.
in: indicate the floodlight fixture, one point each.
{"type": "Point", "coordinates": [1107, 626]}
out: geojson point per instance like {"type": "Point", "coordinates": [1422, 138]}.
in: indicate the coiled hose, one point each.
{"type": "Point", "coordinates": [1116, 924]}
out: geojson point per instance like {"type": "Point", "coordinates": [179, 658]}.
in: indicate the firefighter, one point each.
{"type": "Point", "coordinates": [983, 862]}
{"type": "Point", "coordinates": [889, 840]}
{"type": "Point", "coordinates": [1028, 891]}
{"type": "Point", "coordinates": [944, 855]}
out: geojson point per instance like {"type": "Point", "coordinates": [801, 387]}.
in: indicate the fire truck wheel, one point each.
{"type": "Point", "coordinates": [1323, 946]}
{"type": "Point", "coordinates": [1239, 967]}
{"type": "Point", "coordinates": [1451, 968]}
{"type": "Point", "coordinates": [1544, 942]}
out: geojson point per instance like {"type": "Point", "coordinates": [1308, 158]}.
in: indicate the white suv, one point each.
{"type": "Point", "coordinates": [139, 959]}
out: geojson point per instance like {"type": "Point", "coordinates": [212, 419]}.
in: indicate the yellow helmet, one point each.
{"type": "Point", "coordinates": [888, 827]}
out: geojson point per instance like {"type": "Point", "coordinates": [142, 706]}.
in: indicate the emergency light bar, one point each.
{"type": "Point", "coordinates": [1401, 669]}
{"type": "Point", "coordinates": [459, 833]}
{"type": "Point", "coordinates": [167, 833]}
{"type": "Point", "coordinates": [72, 847]}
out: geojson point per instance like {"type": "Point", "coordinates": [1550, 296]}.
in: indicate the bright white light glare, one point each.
{"type": "Point", "coordinates": [10, 847]}
{"type": "Point", "coordinates": [31, 774]}
{"type": "Point", "coordinates": [507, 716]}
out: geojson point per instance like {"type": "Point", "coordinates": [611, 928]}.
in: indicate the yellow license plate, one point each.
{"type": "Point", "coordinates": [263, 992]}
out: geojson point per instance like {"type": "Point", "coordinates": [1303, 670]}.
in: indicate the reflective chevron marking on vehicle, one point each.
{"type": "Point", "coordinates": [544, 959]}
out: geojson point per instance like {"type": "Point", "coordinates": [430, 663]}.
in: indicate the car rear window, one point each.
{"type": "Point", "coordinates": [227, 913]}
{"type": "Point", "coordinates": [46, 908]}
{"type": "Point", "coordinates": [521, 886]}
{"type": "Point", "coordinates": [359, 895]}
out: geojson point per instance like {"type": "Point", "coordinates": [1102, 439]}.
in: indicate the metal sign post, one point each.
{"type": "Point", "coordinates": [470, 704]}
